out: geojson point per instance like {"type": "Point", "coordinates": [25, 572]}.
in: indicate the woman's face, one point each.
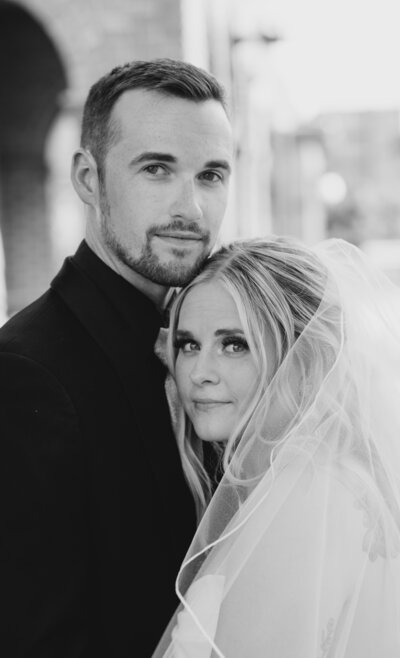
{"type": "Point", "coordinates": [215, 372]}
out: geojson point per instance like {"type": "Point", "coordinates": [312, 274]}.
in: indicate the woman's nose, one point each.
{"type": "Point", "coordinates": [205, 371]}
{"type": "Point", "coordinates": [186, 205]}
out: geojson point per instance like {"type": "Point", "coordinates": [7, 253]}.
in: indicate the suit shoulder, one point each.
{"type": "Point", "coordinates": [42, 329]}
{"type": "Point", "coordinates": [25, 382]}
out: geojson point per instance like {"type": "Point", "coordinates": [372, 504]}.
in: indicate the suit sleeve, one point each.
{"type": "Point", "coordinates": [43, 542]}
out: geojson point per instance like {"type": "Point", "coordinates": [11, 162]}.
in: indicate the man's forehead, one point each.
{"type": "Point", "coordinates": [155, 97]}
{"type": "Point", "coordinates": [168, 124]}
{"type": "Point", "coordinates": [149, 107]}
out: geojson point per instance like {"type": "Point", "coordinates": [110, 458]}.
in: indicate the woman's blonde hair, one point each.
{"type": "Point", "coordinates": [277, 285]}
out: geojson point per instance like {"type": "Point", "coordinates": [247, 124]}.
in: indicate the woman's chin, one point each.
{"type": "Point", "coordinates": [210, 434]}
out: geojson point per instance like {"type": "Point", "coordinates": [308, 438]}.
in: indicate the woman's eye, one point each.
{"type": "Point", "coordinates": [235, 346]}
{"type": "Point", "coordinates": [187, 346]}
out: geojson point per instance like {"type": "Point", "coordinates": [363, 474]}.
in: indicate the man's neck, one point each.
{"type": "Point", "coordinates": [158, 294]}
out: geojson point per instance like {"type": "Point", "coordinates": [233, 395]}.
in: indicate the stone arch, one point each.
{"type": "Point", "coordinates": [33, 79]}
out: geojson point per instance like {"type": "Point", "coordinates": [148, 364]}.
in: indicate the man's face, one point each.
{"type": "Point", "coordinates": [165, 184]}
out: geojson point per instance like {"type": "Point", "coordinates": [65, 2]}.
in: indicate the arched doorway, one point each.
{"type": "Point", "coordinates": [33, 79]}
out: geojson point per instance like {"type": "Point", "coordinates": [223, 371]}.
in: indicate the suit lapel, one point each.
{"type": "Point", "coordinates": [135, 369]}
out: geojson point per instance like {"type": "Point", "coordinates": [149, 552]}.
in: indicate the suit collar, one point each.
{"type": "Point", "coordinates": [122, 321]}
{"type": "Point", "coordinates": [134, 309]}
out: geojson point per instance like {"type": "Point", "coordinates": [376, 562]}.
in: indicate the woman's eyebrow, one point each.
{"type": "Point", "coordinates": [182, 333]}
{"type": "Point", "coordinates": [229, 332]}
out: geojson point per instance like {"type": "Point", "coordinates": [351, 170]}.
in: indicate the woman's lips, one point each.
{"type": "Point", "coordinates": [206, 404]}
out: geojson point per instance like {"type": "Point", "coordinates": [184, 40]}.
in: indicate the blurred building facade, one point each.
{"type": "Point", "coordinates": [363, 148]}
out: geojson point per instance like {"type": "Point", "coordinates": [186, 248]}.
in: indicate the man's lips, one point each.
{"type": "Point", "coordinates": [180, 235]}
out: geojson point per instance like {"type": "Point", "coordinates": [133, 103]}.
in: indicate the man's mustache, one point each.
{"type": "Point", "coordinates": [183, 227]}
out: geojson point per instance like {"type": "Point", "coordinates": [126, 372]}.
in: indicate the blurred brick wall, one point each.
{"type": "Point", "coordinates": [50, 53]}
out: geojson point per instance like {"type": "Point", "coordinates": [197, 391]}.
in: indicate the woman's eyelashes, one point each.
{"type": "Point", "coordinates": [235, 344]}
{"type": "Point", "coordinates": [185, 345]}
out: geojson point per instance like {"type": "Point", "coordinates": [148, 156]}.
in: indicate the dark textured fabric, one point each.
{"type": "Point", "coordinates": [90, 477]}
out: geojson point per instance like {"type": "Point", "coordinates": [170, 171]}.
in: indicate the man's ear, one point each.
{"type": "Point", "coordinates": [84, 176]}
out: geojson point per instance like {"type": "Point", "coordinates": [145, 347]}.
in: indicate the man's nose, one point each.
{"type": "Point", "coordinates": [186, 204]}
{"type": "Point", "coordinates": [205, 370]}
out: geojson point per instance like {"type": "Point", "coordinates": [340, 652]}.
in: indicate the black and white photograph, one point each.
{"type": "Point", "coordinates": [200, 329]}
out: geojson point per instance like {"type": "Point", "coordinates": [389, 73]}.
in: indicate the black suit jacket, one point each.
{"type": "Point", "coordinates": [95, 514]}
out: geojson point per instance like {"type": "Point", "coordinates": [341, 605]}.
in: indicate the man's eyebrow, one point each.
{"type": "Point", "coordinates": [219, 164]}
{"type": "Point", "coordinates": [153, 155]}
{"type": "Point", "coordinates": [149, 156]}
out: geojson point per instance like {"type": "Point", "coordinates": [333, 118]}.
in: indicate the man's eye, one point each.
{"type": "Point", "coordinates": [211, 176]}
{"type": "Point", "coordinates": [155, 169]}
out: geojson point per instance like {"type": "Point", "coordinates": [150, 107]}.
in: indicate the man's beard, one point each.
{"type": "Point", "coordinates": [147, 264]}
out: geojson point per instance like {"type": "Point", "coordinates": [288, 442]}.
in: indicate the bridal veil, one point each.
{"type": "Point", "coordinates": [298, 553]}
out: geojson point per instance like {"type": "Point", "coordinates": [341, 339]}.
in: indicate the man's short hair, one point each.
{"type": "Point", "coordinates": [167, 76]}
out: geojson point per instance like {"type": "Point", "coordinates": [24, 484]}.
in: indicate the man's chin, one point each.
{"type": "Point", "coordinates": [177, 278]}
{"type": "Point", "coordinates": [178, 268]}
{"type": "Point", "coordinates": [182, 252]}
{"type": "Point", "coordinates": [176, 274]}
{"type": "Point", "coordinates": [172, 267]}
